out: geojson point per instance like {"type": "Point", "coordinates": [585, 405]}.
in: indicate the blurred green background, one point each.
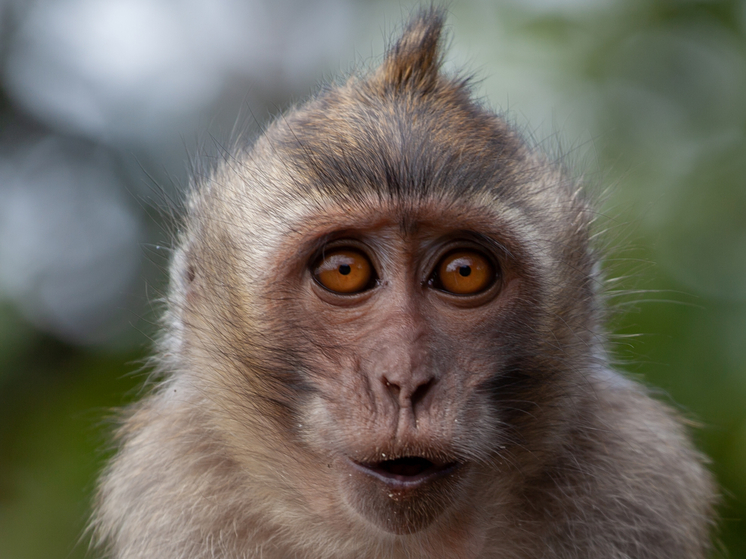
{"type": "Point", "coordinates": [101, 100]}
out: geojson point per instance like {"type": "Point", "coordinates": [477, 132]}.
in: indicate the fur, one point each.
{"type": "Point", "coordinates": [234, 454]}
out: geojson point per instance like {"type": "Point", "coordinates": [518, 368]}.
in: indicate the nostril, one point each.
{"type": "Point", "coordinates": [406, 397]}
{"type": "Point", "coordinates": [394, 389]}
{"type": "Point", "coordinates": [420, 392]}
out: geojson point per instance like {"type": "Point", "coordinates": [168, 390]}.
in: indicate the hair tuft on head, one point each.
{"type": "Point", "coordinates": [414, 60]}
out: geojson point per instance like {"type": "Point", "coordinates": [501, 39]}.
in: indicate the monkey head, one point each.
{"type": "Point", "coordinates": [385, 308]}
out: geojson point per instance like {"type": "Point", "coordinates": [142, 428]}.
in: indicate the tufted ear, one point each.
{"type": "Point", "coordinates": [413, 62]}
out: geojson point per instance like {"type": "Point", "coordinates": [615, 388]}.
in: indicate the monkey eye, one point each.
{"type": "Point", "coordinates": [344, 270]}
{"type": "Point", "coordinates": [464, 272]}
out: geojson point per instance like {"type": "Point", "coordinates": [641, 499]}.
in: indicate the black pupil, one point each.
{"type": "Point", "coordinates": [464, 270]}
{"type": "Point", "coordinates": [345, 269]}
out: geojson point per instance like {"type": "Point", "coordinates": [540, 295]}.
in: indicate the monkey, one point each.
{"type": "Point", "coordinates": [384, 337]}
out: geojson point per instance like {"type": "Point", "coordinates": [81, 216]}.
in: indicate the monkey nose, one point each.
{"type": "Point", "coordinates": [409, 391]}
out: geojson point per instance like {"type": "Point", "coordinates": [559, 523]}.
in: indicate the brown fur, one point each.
{"type": "Point", "coordinates": [271, 385]}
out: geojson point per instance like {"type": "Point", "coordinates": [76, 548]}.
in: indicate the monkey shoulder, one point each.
{"type": "Point", "coordinates": [171, 485]}
{"type": "Point", "coordinates": [627, 481]}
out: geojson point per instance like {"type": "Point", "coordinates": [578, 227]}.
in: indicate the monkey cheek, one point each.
{"type": "Point", "coordinates": [401, 511]}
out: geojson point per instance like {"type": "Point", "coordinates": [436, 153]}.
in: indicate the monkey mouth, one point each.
{"type": "Point", "coordinates": [406, 472]}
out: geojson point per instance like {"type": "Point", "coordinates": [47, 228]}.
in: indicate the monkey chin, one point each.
{"type": "Point", "coordinates": [403, 495]}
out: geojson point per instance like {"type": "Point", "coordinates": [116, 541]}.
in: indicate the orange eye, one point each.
{"type": "Point", "coordinates": [344, 270]}
{"type": "Point", "coordinates": [465, 272]}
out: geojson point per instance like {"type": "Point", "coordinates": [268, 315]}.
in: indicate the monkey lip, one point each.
{"type": "Point", "coordinates": [407, 472]}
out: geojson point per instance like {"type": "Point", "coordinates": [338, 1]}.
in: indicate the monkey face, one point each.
{"type": "Point", "coordinates": [404, 320]}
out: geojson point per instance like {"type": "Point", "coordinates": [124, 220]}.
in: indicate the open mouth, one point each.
{"type": "Point", "coordinates": [406, 472]}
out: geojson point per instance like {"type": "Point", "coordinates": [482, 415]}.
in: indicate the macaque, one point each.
{"type": "Point", "coordinates": [384, 338]}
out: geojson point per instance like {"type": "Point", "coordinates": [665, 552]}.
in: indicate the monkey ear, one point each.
{"type": "Point", "coordinates": [413, 62]}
